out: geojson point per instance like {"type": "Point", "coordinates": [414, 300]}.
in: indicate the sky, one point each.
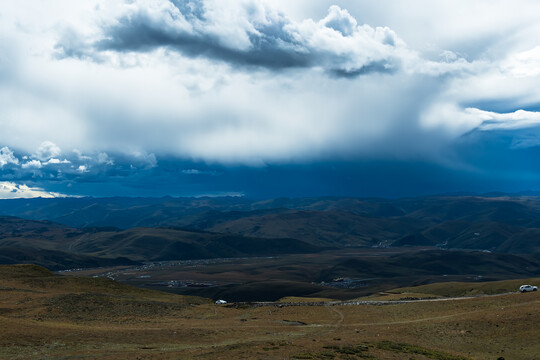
{"type": "Point", "coordinates": [268, 98]}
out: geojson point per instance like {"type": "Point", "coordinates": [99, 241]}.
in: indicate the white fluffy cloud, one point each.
{"type": "Point", "coordinates": [10, 190]}
{"type": "Point", "coordinates": [47, 150]}
{"type": "Point", "coordinates": [54, 161]}
{"type": "Point", "coordinates": [32, 164]}
{"type": "Point", "coordinates": [524, 64]}
{"type": "Point", "coordinates": [7, 157]}
{"type": "Point", "coordinates": [519, 119]}
{"type": "Point", "coordinates": [69, 167]}
{"type": "Point", "coordinates": [82, 169]}
{"type": "Point", "coordinates": [459, 120]}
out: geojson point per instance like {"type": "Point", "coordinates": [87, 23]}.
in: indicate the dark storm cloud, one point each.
{"type": "Point", "coordinates": [139, 34]}
{"type": "Point", "coordinates": [257, 36]}
{"type": "Point", "coordinates": [382, 67]}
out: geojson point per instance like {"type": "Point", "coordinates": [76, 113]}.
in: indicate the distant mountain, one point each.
{"type": "Point", "coordinates": [321, 228]}
{"type": "Point", "coordinates": [61, 247]}
{"type": "Point", "coordinates": [499, 224]}
{"type": "Point", "coordinates": [155, 244]}
{"type": "Point", "coordinates": [119, 212]}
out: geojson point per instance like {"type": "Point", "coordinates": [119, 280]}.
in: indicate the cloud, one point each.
{"type": "Point", "coordinates": [55, 161]}
{"type": "Point", "coordinates": [7, 157]}
{"type": "Point", "coordinates": [199, 172]}
{"type": "Point", "coordinates": [81, 156]}
{"type": "Point", "coordinates": [523, 64]}
{"type": "Point", "coordinates": [340, 20]}
{"type": "Point", "coordinates": [10, 190]}
{"type": "Point", "coordinates": [47, 150]}
{"type": "Point", "coordinates": [83, 169]}
{"type": "Point", "coordinates": [75, 167]}
{"type": "Point", "coordinates": [161, 97]}
{"type": "Point", "coordinates": [244, 33]}
{"type": "Point", "coordinates": [144, 160]}
{"type": "Point", "coordinates": [32, 164]}
{"type": "Point", "coordinates": [519, 119]}
{"type": "Point", "coordinates": [256, 83]}
{"type": "Point", "coordinates": [459, 121]}
{"type": "Point", "coordinates": [103, 158]}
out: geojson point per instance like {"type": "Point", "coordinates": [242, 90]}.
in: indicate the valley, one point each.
{"type": "Point", "coordinates": [262, 250]}
{"type": "Point", "coordinates": [317, 278]}
{"type": "Point", "coordinates": [329, 274]}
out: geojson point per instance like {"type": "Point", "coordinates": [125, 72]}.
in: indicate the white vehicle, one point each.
{"type": "Point", "coordinates": [527, 288]}
{"type": "Point", "coordinates": [220, 302]}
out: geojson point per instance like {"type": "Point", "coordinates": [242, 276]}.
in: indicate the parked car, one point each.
{"type": "Point", "coordinates": [220, 302]}
{"type": "Point", "coordinates": [527, 288]}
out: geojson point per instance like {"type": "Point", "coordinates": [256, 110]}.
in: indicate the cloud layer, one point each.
{"type": "Point", "coordinates": [105, 89]}
{"type": "Point", "coordinates": [64, 170]}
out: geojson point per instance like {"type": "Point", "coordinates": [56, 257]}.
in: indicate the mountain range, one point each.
{"type": "Point", "coordinates": [499, 224]}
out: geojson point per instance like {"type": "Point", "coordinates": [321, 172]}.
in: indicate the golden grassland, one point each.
{"type": "Point", "coordinates": [43, 316]}
{"type": "Point", "coordinates": [452, 289]}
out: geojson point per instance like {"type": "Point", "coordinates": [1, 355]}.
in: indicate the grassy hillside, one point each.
{"type": "Point", "coordinates": [322, 228]}
{"type": "Point", "coordinates": [34, 278]}
{"type": "Point", "coordinates": [453, 289]}
{"type": "Point", "coordinates": [170, 244]}
{"type": "Point", "coordinates": [47, 316]}
{"type": "Point", "coordinates": [57, 260]}
{"type": "Point", "coordinates": [436, 262]}
{"type": "Point", "coordinates": [61, 247]}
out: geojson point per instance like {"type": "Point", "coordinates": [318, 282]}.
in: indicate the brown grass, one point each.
{"type": "Point", "coordinates": [44, 317]}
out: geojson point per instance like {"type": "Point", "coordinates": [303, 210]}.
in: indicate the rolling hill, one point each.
{"type": "Point", "coordinates": [437, 262]}
{"type": "Point", "coordinates": [499, 224]}
{"type": "Point", "coordinates": [61, 247]}
{"type": "Point", "coordinates": [155, 244]}
{"type": "Point", "coordinates": [44, 316]}
{"type": "Point", "coordinates": [322, 228]}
